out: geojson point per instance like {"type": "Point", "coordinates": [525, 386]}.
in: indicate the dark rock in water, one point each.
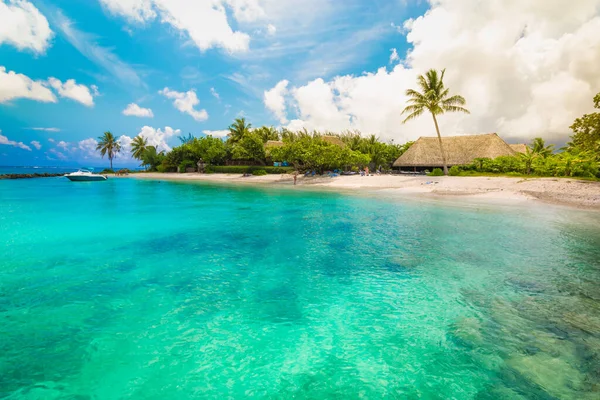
{"type": "Point", "coordinates": [29, 176]}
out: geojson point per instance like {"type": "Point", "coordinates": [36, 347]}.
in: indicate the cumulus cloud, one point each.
{"type": "Point", "coordinates": [63, 145]}
{"type": "Point", "coordinates": [88, 147]}
{"type": "Point", "coordinates": [274, 100]}
{"type": "Point", "coordinates": [526, 69]}
{"type": "Point", "coordinates": [185, 102]}
{"type": "Point", "coordinates": [61, 156]}
{"type": "Point", "coordinates": [19, 86]}
{"type": "Point", "coordinates": [36, 144]}
{"type": "Point", "coordinates": [220, 134]}
{"type": "Point", "coordinates": [205, 23]}
{"type": "Point", "coordinates": [136, 111]}
{"type": "Point", "coordinates": [155, 137]}
{"type": "Point", "coordinates": [24, 26]}
{"type": "Point", "coordinates": [5, 141]}
{"type": "Point", "coordinates": [74, 91]}
{"type": "Point", "coordinates": [271, 29]}
{"type": "Point", "coordinates": [394, 57]}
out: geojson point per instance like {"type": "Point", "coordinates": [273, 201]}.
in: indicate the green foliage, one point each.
{"type": "Point", "coordinates": [153, 158]}
{"type": "Point", "coordinates": [186, 139]}
{"type": "Point", "coordinates": [186, 164]}
{"type": "Point", "coordinates": [209, 149]}
{"type": "Point", "coordinates": [586, 132]}
{"type": "Point", "coordinates": [108, 146]}
{"type": "Point", "coordinates": [242, 169]}
{"type": "Point", "coordinates": [237, 130]}
{"type": "Point", "coordinates": [454, 171]}
{"type": "Point", "coordinates": [161, 168]}
{"type": "Point", "coordinates": [436, 172]}
{"type": "Point", "coordinates": [138, 147]}
{"type": "Point", "coordinates": [249, 147]}
{"type": "Point", "coordinates": [107, 171]}
{"type": "Point", "coordinates": [259, 172]}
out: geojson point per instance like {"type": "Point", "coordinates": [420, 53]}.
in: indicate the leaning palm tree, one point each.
{"type": "Point", "coordinates": [436, 99]}
{"type": "Point", "coordinates": [238, 129]}
{"type": "Point", "coordinates": [139, 144]}
{"type": "Point", "coordinates": [538, 146]}
{"type": "Point", "coordinates": [108, 146]}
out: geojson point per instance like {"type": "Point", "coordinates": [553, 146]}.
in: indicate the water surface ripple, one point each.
{"type": "Point", "coordinates": [131, 289]}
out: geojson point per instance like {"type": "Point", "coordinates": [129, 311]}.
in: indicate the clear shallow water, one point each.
{"type": "Point", "coordinates": [153, 290]}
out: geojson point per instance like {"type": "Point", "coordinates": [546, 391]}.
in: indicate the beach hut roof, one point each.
{"type": "Point", "coordinates": [460, 150]}
{"type": "Point", "coordinates": [519, 148]}
{"type": "Point", "coordinates": [333, 140]}
{"type": "Point", "coordinates": [274, 143]}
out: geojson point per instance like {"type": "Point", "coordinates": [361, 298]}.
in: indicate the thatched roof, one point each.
{"type": "Point", "coordinates": [274, 143]}
{"type": "Point", "coordinates": [460, 150]}
{"type": "Point", "coordinates": [333, 140]}
{"type": "Point", "coordinates": [519, 148]}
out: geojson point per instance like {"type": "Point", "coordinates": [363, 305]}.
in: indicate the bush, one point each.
{"type": "Point", "coordinates": [454, 171]}
{"type": "Point", "coordinates": [186, 164]}
{"type": "Point", "coordinates": [436, 172]}
{"type": "Point", "coordinates": [161, 168]}
{"type": "Point", "coordinates": [107, 171]}
{"type": "Point", "coordinates": [241, 169]}
{"type": "Point", "coordinates": [259, 172]}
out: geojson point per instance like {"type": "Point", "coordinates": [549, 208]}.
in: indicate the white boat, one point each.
{"type": "Point", "coordinates": [85, 175]}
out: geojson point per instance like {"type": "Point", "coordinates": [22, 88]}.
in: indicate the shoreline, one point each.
{"type": "Point", "coordinates": [566, 192]}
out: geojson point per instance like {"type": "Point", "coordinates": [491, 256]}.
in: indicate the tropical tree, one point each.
{"type": "Point", "coordinates": [249, 147]}
{"type": "Point", "coordinates": [238, 129]}
{"type": "Point", "coordinates": [152, 157]}
{"type": "Point", "coordinates": [108, 146]}
{"type": "Point", "coordinates": [138, 147]}
{"type": "Point", "coordinates": [267, 133]}
{"type": "Point", "coordinates": [538, 146]}
{"type": "Point", "coordinates": [186, 139]}
{"type": "Point", "coordinates": [586, 131]}
{"type": "Point", "coordinates": [435, 98]}
{"type": "Point", "coordinates": [528, 157]}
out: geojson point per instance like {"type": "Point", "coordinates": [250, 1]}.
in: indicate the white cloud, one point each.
{"type": "Point", "coordinates": [204, 22]}
{"type": "Point", "coordinates": [125, 142]}
{"type": "Point", "coordinates": [155, 137]}
{"type": "Point", "coordinates": [220, 134]}
{"type": "Point", "coordinates": [51, 140]}
{"type": "Point", "coordinates": [58, 154]}
{"type": "Point", "coordinates": [104, 57]}
{"type": "Point", "coordinates": [185, 102]}
{"type": "Point", "coordinates": [23, 26]}
{"type": "Point", "coordinates": [215, 94]}
{"type": "Point", "coordinates": [16, 86]}
{"type": "Point", "coordinates": [137, 111]}
{"type": "Point", "coordinates": [45, 129]}
{"type": "Point", "coordinates": [274, 100]}
{"type": "Point", "coordinates": [527, 69]}
{"type": "Point", "coordinates": [88, 147]}
{"type": "Point", "coordinates": [394, 57]}
{"type": "Point", "coordinates": [271, 29]}
{"type": "Point", "coordinates": [63, 145]}
{"type": "Point", "coordinates": [74, 91]}
{"type": "Point", "coordinates": [5, 141]}
{"type": "Point", "coordinates": [36, 144]}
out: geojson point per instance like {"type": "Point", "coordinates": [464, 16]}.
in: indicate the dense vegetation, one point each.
{"type": "Point", "coordinates": [302, 151]}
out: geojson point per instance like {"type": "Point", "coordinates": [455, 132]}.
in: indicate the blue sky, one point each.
{"type": "Point", "coordinates": [131, 61]}
{"type": "Point", "coordinates": [70, 70]}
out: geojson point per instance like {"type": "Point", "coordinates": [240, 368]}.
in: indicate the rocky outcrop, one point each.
{"type": "Point", "coordinates": [28, 176]}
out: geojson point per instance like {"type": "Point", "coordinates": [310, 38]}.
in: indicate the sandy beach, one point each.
{"type": "Point", "coordinates": [571, 192]}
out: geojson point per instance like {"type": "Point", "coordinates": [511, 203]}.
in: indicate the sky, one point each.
{"type": "Point", "coordinates": [71, 70]}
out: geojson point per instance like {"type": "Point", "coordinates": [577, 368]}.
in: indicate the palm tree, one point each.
{"type": "Point", "coordinates": [238, 129]}
{"type": "Point", "coordinates": [186, 139]}
{"type": "Point", "coordinates": [538, 146]}
{"type": "Point", "coordinates": [529, 156]}
{"type": "Point", "coordinates": [138, 147]}
{"type": "Point", "coordinates": [108, 146]}
{"type": "Point", "coordinates": [434, 98]}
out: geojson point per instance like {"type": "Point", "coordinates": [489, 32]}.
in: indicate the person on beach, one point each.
{"type": "Point", "coordinates": [295, 177]}
{"type": "Point", "coordinates": [367, 171]}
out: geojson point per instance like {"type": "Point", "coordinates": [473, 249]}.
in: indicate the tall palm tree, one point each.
{"type": "Point", "coordinates": [139, 144]}
{"type": "Point", "coordinates": [435, 98]}
{"type": "Point", "coordinates": [538, 146]}
{"type": "Point", "coordinates": [238, 129]}
{"type": "Point", "coordinates": [108, 146]}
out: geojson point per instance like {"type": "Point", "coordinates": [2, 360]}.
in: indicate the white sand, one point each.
{"type": "Point", "coordinates": [572, 192]}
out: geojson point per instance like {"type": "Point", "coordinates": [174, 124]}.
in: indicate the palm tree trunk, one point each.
{"type": "Point", "coordinates": [437, 128]}
{"type": "Point", "coordinates": [111, 163]}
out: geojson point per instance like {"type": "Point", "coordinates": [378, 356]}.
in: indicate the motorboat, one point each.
{"type": "Point", "coordinates": [85, 175]}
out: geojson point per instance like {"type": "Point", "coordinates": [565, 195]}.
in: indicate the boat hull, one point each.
{"type": "Point", "coordinates": [80, 178]}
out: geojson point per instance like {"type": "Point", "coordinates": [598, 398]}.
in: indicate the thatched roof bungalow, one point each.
{"type": "Point", "coordinates": [274, 143]}
{"type": "Point", "coordinates": [333, 140]}
{"type": "Point", "coordinates": [519, 148]}
{"type": "Point", "coordinates": [460, 150]}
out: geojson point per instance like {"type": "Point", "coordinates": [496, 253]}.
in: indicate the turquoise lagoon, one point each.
{"type": "Point", "coordinates": [131, 289]}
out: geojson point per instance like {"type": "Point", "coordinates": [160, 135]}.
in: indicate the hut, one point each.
{"type": "Point", "coordinates": [333, 140]}
{"type": "Point", "coordinates": [460, 150]}
{"type": "Point", "coordinates": [273, 143]}
{"type": "Point", "coordinates": [519, 148]}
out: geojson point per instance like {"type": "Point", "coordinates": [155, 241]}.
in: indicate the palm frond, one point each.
{"type": "Point", "coordinates": [456, 100]}
{"type": "Point", "coordinates": [415, 114]}
{"type": "Point", "coordinates": [456, 109]}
